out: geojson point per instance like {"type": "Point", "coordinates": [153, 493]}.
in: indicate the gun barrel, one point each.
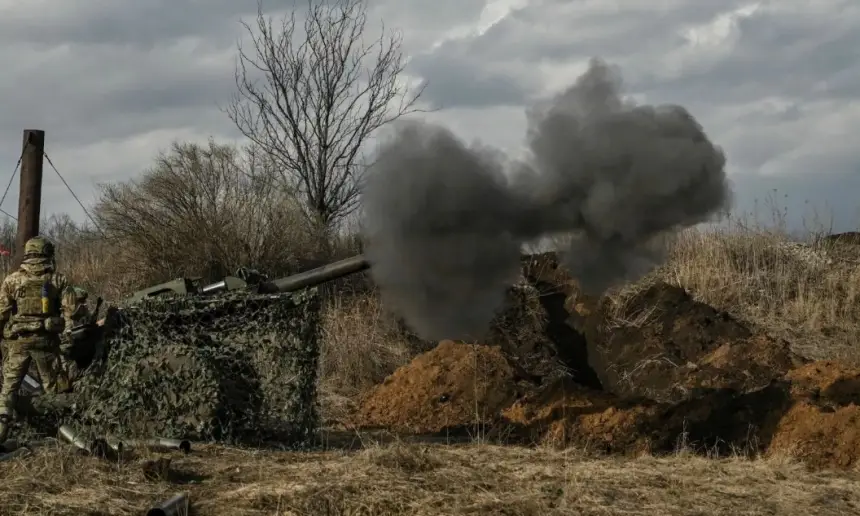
{"type": "Point", "coordinates": [319, 275]}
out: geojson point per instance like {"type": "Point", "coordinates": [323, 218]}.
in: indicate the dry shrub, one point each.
{"type": "Point", "coordinates": [767, 278]}
{"type": "Point", "coordinates": [361, 345]}
{"type": "Point", "coordinates": [205, 211]}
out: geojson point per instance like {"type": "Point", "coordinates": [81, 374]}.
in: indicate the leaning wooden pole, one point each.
{"type": "Point", "coordinates": [30, 194]}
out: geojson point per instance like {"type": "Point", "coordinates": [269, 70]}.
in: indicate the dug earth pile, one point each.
{"type": "Point", "coordinates": [662, 372]}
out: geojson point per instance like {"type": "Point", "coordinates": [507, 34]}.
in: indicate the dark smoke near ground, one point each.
{"type": "Point", "coordinates": [445, 222]}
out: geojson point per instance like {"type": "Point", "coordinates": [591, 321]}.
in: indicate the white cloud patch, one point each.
{"type": "Point", "coordinates": [776, 83]}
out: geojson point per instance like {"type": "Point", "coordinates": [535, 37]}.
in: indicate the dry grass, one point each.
{"type": "Point", "coordinates": [362, 344]}
{"type": "Point", "coordinates": [419, 479]}
{"type": "Point", "coordinates": [807, 294]}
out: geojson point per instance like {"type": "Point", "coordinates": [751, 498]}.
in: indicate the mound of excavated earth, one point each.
{"type": "Point", "coordinates": [812, 412]}
{"type": "Point", "coordinates": [449, 386]}
{"type": "Point", "coordinates": [662, 372]}
{"type": "Point", "coordinates": [665, 346]}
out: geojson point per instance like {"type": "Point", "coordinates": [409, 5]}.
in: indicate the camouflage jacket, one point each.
{"type": "Point", "coordinates": [75, 309]}
{"type": "Point", "coordinates": [63, 303]}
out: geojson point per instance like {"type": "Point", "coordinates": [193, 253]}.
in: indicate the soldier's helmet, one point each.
{"type": "Point", "coordinates": [81, 294]}
{"type": "Point", "coordinates": [39, 247]}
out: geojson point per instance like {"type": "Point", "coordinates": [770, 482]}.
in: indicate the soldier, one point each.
{"type": "Point", "coordinates": [76, 299]}
{"type": "Point", "coordinates": [33, 315]}
{"type": "Point", "coordinates": [75, 312]}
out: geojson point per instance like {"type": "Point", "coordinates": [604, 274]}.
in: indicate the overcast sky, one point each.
{"type": "Point", "coordinates": [775, 83]}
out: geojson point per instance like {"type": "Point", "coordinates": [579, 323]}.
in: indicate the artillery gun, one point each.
{"type": "Point", "coordinates": [186, 344]}
{"type": "Point", "coordinates": [90, 336]}
{"type": "Point", "coordinates": [254, 282]}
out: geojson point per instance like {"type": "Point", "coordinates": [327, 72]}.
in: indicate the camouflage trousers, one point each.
{"type": "Point", "coordinates": [18, 356]}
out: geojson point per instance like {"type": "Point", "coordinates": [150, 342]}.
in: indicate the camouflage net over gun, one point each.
{"type": "Point", "coordinates": [237, 368]}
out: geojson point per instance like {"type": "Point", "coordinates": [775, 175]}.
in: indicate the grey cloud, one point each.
{"type": "Point", "coordinates": [769, 99]}
{"type": "Point", "coordinates": [776, 53]}
{"type": "Point", "coordinates": [440, 15]}
{"type": "Point", "coordinates": [494, 67]}
{"type": "Point", "coordinates": [147, 24]}
{"type": "Point", "coordinates": [120, 70]}
{"type": "Point", "coordinates": [454, 82]}
{"type": "Point", "coordinates": [561, 29]}
{"type": "Point", "coordinates": [116, 93]}
{"type": "Point", "coordinates": [811, 54]}
{"type": "Point", "coordinates": [140, 24]}
{"type": "Point", "coordinates": [91, 71]}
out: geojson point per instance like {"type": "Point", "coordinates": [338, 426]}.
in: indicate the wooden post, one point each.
{"type": "Point", "coordinates": [30, 194]}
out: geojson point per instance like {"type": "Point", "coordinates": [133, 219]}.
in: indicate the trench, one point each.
{"type": "Point", "coordinates": [570, 345]}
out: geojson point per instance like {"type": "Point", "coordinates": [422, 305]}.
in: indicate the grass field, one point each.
{"type": "Point", "coordinates": [428, 479]}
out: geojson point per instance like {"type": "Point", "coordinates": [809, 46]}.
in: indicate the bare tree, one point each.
{"type": "Point", "coordinates": [312, 99]}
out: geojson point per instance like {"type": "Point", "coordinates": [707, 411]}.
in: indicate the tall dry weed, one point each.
{"type": "Point", "coordinates": [804, 292]}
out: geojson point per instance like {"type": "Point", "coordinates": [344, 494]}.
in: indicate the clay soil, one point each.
{"type": "Point", "coordinates": [446, 387]}
{"type": "Point", "coordinates": [672, 374]}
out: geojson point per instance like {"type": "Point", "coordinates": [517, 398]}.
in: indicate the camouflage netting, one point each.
{"type": "Point", "coordinates": [235, 368]}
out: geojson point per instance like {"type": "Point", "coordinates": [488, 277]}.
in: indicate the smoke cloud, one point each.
{"type": "Point", "coordinates": [445, 222]}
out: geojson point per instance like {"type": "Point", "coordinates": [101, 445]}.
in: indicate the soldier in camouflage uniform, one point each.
{"type": "Point", "coordinates": [33, 315]}
{"type": "Point", "coordinates": [75, 312]}
{"type": "Point", "coordinates": [76, 299]}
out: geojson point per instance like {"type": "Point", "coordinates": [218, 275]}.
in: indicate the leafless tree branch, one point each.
{"type": "Point", "coordinates": [311, 99]}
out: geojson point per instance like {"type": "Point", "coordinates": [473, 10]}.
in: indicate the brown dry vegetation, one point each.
{"type": "Point", "coordinates": [425, 479]}
{"type": "Point", "coordinates": [805, 294]}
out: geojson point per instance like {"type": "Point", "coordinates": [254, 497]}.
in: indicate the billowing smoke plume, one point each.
{"type": "Point", "coordinates": [445, 222]}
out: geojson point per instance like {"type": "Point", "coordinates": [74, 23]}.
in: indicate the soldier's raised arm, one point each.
{"type": "Point", "coordinates": [68, 303]}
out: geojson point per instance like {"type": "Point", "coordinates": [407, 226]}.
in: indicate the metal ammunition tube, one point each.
{"type": "Point", "coordinates": [173, 507]}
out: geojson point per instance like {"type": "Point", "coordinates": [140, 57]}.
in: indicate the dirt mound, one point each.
{"type": "Point", "coordinates": [565, 413]}
{"type": "Point", "coordinates": [532, 330]}
{"type": "Point", "coordinates": [823, 424]}
{"type": "Point", "coordinates": [560, 345]}
{"type": "Point", "coordinates": [452, 385]}
{"type": "Point", "coordinates": [657, 372]}
{"type": "Point", "coordinates": [545, 270]}
{"type": "Point", "coordinates": [745, 366]}
{"type": "Point", "coordinates": [664, 345]}
{"type": "Point", "coordinates": [812, 413]}
{"type": "Point", "coordinates": [720, 420]}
